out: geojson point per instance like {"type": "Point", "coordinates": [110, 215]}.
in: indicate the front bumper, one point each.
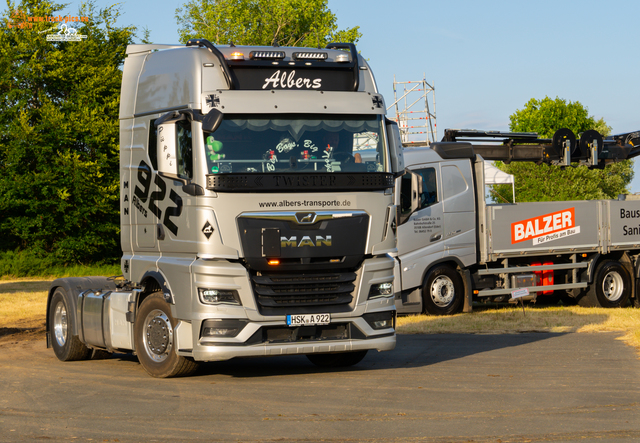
{"type": "Point", "coordinates": [269, 338]}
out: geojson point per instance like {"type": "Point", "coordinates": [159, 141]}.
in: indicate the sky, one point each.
{"type": "Point", "coordinates": [485, 59]}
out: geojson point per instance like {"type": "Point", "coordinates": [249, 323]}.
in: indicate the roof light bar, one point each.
{"type": "Point", "coordinates": [266, 55]}
{"type": "Point", "coordinates": [236, 56]}
{"type": "Point", "coordinates": [310, 55]}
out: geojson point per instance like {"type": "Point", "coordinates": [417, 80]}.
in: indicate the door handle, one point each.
{"type": "Point", "coordinates": [436, 237]}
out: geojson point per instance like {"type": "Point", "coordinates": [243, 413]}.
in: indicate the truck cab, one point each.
{"type": "Point", "coordinates": [257, 209]}
{"type": "Point", "coordinates": [436, 229]}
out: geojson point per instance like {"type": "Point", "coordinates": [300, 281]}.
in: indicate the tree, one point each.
{"type": "Point", "coordinates": [59, 133]}
{"type": "Point", "coordinates": [262, 22]}
{"type": "Point", "coordinates": [548, 183]}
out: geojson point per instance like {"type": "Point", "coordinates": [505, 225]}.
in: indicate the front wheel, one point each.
{"type": "Point", "coordinates": [155, 341]}
{"type": "Point", "coordinates": [611, 287]}
{"type": "Point", "coordinates": [341, 359]}
{"type": "Point", "coordinates": [443, 291]}
{"type": "Point", "coordinates": [66, 346]}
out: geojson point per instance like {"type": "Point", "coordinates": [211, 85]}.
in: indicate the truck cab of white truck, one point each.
{"type": "Point", "coordinates": [257, 212]}
{"type": "Point", "coordinates": [454, 248]}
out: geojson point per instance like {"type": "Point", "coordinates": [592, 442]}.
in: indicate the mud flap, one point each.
{"type": "Point", "coordinates": [468, 291]}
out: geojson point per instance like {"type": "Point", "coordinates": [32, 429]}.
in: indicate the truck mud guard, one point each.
{"type": "Point", "coordinates": [72, 287]}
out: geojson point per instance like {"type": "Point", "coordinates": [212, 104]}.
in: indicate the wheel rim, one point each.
{"type": "Point", "coordinates": [442, 291]}
{"type": "Point", "coordinates": [613, 286]}
{"type": "Point", "coordinates": [60, 324]}
{"type": "Point", "coordinates": [158, 336]}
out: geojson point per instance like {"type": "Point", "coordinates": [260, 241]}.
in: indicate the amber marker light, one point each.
{"type": "Point", "coordinates": [273, 262]}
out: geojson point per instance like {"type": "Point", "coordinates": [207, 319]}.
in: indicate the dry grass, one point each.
{"type": "Point", "coordinates": [22, 304]}
{"type": "Point", "coordinates": [513, 320]}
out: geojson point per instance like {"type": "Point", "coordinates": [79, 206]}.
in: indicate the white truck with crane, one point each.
{"type": "Point", "coordinates": [251, 225]}
{"type": "Point", "coordinates": [454, 248]}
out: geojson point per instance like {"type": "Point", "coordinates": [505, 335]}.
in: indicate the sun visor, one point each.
{"type": "Point", "coordinates": [287, 102]}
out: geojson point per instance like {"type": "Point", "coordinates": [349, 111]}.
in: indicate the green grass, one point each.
{"type": "Point", "coordinates": [25, 264]}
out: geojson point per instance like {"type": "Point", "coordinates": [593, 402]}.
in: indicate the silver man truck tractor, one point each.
{"type": "Point", "coordinates": [454, 248]}
{"type": "Point", "coordinates": [257, 212]}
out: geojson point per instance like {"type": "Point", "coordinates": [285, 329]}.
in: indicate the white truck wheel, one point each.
{"type": "Point", "coordinates": [443, 291]}
{"type": "Point", "coordinates": [66, 346]}
{"type": "Point", "coordinates": [155, 342]}
{"type": "Point", "coordinates": [611, 286]}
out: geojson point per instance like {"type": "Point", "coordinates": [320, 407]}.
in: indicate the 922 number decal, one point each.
{"type": "Point", "coordinates": [142, 194]}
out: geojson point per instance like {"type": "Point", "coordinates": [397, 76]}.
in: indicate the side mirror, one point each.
{"type": "Point", "coordinates": [211, 121]}
{"type": "Point", "coordinates": [395, 147]}
{"type": "Point", "coordinates": [416, 190]}
{"type": "Point", "coordinates": [408, 199]}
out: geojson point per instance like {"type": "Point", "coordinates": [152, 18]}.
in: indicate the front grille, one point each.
{"type": "Point", "coordinates": [304, 289]}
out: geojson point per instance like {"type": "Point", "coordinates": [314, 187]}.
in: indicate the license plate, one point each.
{"type": "Point", "coordinates": [308, 319]}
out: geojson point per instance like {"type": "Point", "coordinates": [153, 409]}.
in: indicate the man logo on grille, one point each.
{"type": "Point", "coordinates": [305, 218]}
{"type": "Point", "coordinates": [306, 240]}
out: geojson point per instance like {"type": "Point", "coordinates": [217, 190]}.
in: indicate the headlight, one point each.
{"type": "Point", "coordinates": [381, 320]}
{"type": "Point", "coordinates": [222, 328]}
{"type": "Point", "coordinates": [219, 296]}
{"type": "Point", "coordinates": [381, 290]}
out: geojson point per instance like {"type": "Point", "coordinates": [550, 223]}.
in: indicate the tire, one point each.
{"type": "Point", "coordinates": [337, 360]}
{"type": "Point", "coordinates": [154, 340]}
{"type": "Point", "coordinates": [66, 346]}
{"type": "Point", "coordinates": [611, 287]}
{"type": "Point", "coordinates": [443, 292]}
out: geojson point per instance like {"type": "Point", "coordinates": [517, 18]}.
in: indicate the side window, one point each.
{"type": "Point", "coordinates": [429, 194]}
{"type": "Point", "coordinates": [184, 149]}
{"type": "Point", "coordinates": [454, 182]}
{"type": "Point", "coordinates": [152, 148]}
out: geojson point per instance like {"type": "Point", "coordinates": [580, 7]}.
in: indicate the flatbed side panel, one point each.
{"type": "Point", "coordinates": [545, 227]}
{"type": "Point", "coordinates": [624, 224]}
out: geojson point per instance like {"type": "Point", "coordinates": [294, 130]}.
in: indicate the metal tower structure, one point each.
{"type": "Point", "coordinates": [416, 120]}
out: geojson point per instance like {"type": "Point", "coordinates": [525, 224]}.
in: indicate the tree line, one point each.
{"type": "Point", "coordinates": [59, 103]}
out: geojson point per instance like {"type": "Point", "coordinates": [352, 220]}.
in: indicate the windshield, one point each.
{"type": "Point", "coordinates": [284, 143]}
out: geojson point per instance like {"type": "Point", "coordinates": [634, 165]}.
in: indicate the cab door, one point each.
{"type": "Point", "coordinates": [421, 230]}
{"type": "Point", "coordinates": [458, 199]}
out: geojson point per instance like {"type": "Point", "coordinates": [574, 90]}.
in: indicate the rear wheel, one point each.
{"type": "Point", "coordinates": [611, 287]}
{"type": "Point", "coordinates": [66, 346]}
{"type": "Point", "coordinates": [442, 293]}
{"type": "Point", "coordinates": [155, 341]}
{"type": "Point", "coordinates": [337, 360]}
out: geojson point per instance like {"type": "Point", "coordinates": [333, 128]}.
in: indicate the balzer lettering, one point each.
{"type": "Point", "coordinates": [542, 225]}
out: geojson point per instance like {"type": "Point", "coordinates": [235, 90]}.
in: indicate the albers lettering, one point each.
{"type": "Point", "coordinates": [286, 80]}
{"type": "Point", "coordinates": [304, 241]}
